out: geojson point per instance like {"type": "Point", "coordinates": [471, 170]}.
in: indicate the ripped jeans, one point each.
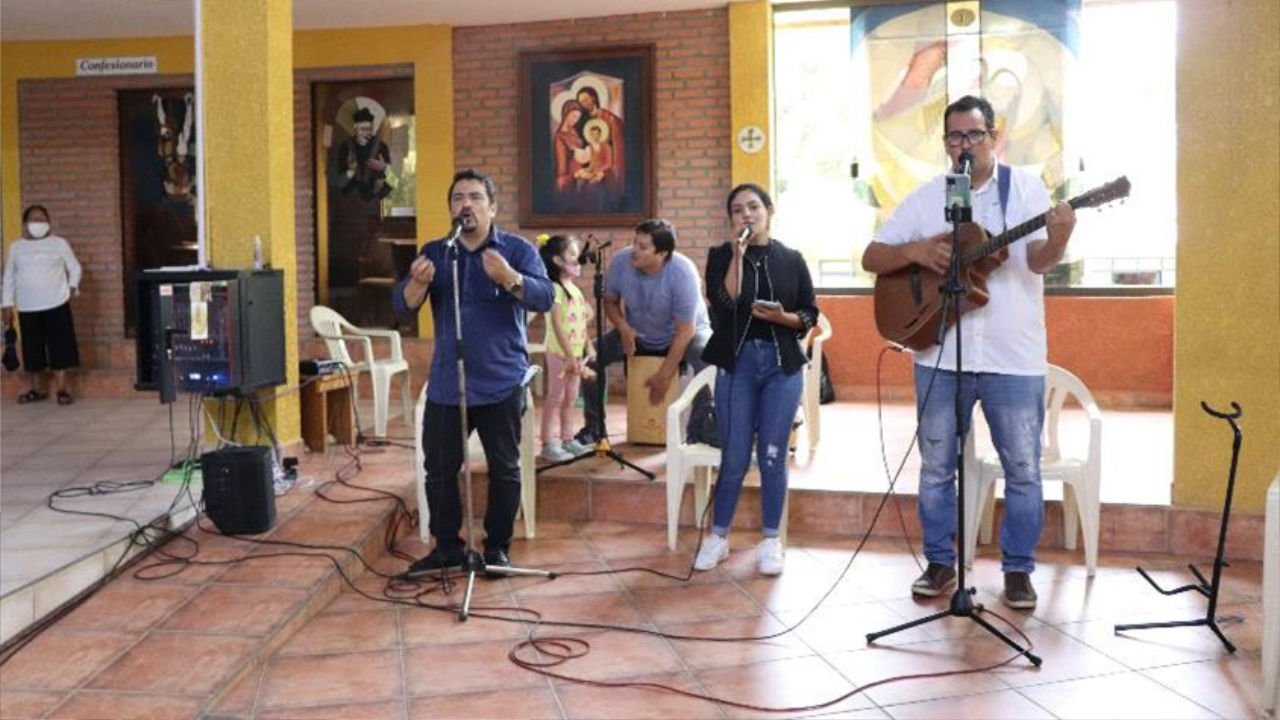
{"type": "Point", "coordinates": [755, 403]}
{"type": "Point", "coordinates": [1014, 408]}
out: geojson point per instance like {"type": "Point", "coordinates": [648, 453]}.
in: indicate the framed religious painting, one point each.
{"type": "Point", "coordinates": [586, 137]}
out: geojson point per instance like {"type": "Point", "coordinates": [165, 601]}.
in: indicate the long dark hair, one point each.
{"type": "Point", "coordinates": [553, 248]}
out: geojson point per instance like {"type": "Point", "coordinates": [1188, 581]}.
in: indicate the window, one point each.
{"type": "Point", "coordinates": [1081, 98]}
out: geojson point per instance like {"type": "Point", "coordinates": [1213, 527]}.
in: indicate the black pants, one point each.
{"type": "Point", "coordinates": [499, 428]}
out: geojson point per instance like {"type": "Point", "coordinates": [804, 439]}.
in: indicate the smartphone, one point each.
{"type": "Point", "coordinates": [767, 304]}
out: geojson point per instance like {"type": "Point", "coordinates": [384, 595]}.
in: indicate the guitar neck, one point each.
{"type": "Point", "coordinates": [1012, 235]}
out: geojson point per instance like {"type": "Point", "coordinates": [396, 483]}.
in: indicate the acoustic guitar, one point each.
{"type": "Point", "coordinates": [908, 301]}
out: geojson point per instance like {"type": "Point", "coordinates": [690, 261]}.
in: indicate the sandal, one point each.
{"type": "Point", "coordinates": [64, 398]}
{"type": "Point", "coordinates": [31, 396]}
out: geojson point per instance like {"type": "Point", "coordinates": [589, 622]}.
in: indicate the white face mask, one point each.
{"type": "Point", "coordinates": [38, 229]}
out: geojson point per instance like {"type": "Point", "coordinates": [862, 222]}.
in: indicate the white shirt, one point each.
{"type": "Point", "coordinates": [1007, 335]}
{"type": "Point", "coordinates": [40, 274]}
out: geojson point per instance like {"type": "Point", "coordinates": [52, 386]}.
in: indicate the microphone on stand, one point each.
{"type": "Point", "coordinates": [455, 231]}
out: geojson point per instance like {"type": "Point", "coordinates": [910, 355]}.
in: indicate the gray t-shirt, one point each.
{"type": "Point", "coordinates": [655, 303]}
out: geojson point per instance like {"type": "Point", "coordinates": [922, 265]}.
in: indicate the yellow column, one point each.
{"type": "Point", "coordinates": [248, 130]}
{"type": "Point", "coordinates": [751, 91]}
{"type": "Point", "coordinates": [1227, 322]}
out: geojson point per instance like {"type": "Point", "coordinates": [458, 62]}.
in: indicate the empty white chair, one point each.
{"type": "Point", "coordinates": [1080, 476]}
{"type": "Point", "coordinates": [1271, 603]}
{"type": "Point", "coordinates": [528, 449]}
{"type": "Point", "coordinates": [337, 332]}
{"type": "Point", "coordinates": [813, 382]}
{"type": "Point", "coordinates": [698, 461]}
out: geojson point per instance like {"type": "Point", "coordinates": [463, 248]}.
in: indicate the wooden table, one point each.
{"type": "Point", "coordinates": [326, 408]}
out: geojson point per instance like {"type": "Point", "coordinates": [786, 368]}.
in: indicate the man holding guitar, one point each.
{"type": "Point", "coordinates": [1004, 359]}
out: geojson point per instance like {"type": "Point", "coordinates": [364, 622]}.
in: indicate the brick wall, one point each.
{"type": "Point", "coordinates": [691, 92]}
{"type": "Point", "coordinates": [69, 151]}
{"type": "Point", "coordinates": [69, 147]}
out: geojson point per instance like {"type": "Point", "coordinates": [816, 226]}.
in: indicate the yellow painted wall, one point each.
{"type": "Point", "coordinates": [248, 165]}
{"type": "Point", "coordinates": [429, 48]}
{"type": "Point", "coordinates": [751, 85]}
{"type": "Point", "coordinates": [1227, 323]}
{"type": "Point", "coordinates": [26, 60]}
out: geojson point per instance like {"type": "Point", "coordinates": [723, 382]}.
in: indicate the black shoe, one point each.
{"type": "Point", "coordinates": [585, 437]}
{"type": "Point", "coordinates": [496, 558]}
{"type": "Point", "coordinates": [936, 580]}
{"type": "Point", "coordinates": [437, 559]}
{"type": "Point", "coordinates": [1018, 593]}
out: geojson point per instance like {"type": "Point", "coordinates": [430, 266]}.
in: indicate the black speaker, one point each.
{"type": "Point", "coordinates": [239, 492]}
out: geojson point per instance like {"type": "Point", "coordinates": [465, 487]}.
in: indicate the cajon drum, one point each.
{"type": "Point", "coordinates": [647, 424]}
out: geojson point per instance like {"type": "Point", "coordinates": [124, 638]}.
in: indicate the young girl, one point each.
{"type": "Point", "coordinates": [568, 348]}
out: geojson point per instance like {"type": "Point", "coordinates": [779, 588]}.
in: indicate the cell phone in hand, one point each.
{"type": "Point", "coordinates": [767, 304]}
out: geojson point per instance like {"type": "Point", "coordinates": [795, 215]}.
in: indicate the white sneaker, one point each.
{"type": "Point", "coordinates": [714, 549]}
{"type": "Point", "coordinates": [769, 555]}
{"type": "Point", "coordinates": [553, 452]}
{"type": "Point", "coordinates": [575, 448]}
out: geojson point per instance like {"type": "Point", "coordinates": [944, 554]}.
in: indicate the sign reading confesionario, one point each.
{"type": "Point", "coordinates": [117, 66]}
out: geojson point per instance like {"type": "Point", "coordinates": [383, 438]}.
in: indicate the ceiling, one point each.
{"type": "Point", "coordinates": [72, 19]}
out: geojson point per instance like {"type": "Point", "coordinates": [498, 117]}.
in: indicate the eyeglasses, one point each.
{"type": "Point", "coordinates": [955, 138]}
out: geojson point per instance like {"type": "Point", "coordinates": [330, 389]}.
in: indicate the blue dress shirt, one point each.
{"type": "Point", "coordinates": [494, 342]}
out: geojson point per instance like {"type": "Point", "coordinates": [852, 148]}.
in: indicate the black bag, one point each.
{"type": "Point", "coordinates": [826, 391]}
{"type": "Point", "coordinates": [704, 429]}
{"type": "Point", "coordinates": [10, 360]}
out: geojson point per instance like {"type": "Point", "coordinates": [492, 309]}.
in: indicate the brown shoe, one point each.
{"type": "Point", "coordinates": [936, 580]}
{"type": "Point", "coordinates": [1018, 593]}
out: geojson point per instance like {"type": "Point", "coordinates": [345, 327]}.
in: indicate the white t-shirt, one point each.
{"type": "Point", "coordinates": [39, 274]}
{"type": "Point", "coordinates": [1007, 335]}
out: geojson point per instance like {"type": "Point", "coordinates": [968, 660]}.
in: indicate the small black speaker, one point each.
{"type": "Point", "coordinates": [239, 494]}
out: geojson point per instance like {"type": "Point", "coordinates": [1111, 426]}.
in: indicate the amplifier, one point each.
{"type": "Point", "coordinates": [239, 489]}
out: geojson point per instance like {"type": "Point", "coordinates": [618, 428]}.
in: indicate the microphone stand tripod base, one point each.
{"type": "Point", "coordinates": [473, 564]}
{"type": "Point", "coordinates": [603, 449]}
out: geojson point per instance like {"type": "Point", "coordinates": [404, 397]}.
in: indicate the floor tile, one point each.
{"type": "Point", "coordinates": [193, 664]}
{"type": "Point", "coordinates": [625, 703]}
{"type": "Point", "coordinates": [1127, 695]}
{"type": "Point", "coordinates": [95, 704]}
{"type": "Point", "coordinates": [23, 704]}
{"type": "Point", "coordinates": [936, 660]}
{"type": "Point", "coordinates": [331, 633]}
{"type": "Point", "coordinates": [317, 680]}
{"type": "Point", "coordinates": [686, 603]}
{"type": "Point", "coordinates": [729, 642]}
{"type": "Point", "coordinates": [999, 705]}
{"type": "Point", "coordinates": [792, 683]}
{"type": "Point", "coordinates": [243, 610]}
{"type": "Point", "coordinates": [531, 703]}
{"type": "Point", "coordinates": [63, 659]}
{"type": "Point", "coordinates": [470, 668]}
{"type": "Point", "coordinates": [1230, 685]}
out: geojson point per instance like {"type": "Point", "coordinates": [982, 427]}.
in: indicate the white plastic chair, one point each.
{"type": "Point", "coordinates": [528, 449]}
{"type": "Point", "coordinates": [696, 460]}
{"type": "Point", "coordinates": [337, 332]}
{"type": "Point", "coordinates": [813, 383]}
{"type": "Point", "coordinates": [1271, 603]}
{"type": "Point", "coordinates": [538, 348]}
{"type": "Point", "coordinates": [1080, 476]}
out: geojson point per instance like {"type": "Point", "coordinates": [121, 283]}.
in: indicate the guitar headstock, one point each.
{"type": "Point", "coordinates": [1114, 190]}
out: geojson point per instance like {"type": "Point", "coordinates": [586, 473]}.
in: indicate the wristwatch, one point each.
{"type": "Point", "coordinates": [514, 286]}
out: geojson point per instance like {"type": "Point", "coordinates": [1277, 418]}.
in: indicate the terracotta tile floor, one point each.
{"type": "Point", "coordinates": [158, 649]}
{"type": "Point", "coordinates": [359, 658]}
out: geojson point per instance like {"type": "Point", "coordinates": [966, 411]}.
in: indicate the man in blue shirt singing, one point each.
{"type": "Point", "coordinates": [500, 277]}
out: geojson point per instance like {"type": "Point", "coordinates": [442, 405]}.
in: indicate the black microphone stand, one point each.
{"type": "Point", "coordinates": [962, 605]}
{"type": "Point", "coordinates": [472, 560]}
{"type": "Point", "coordinates": [603, 448]}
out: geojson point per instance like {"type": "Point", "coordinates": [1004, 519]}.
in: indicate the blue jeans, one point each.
{"type": "Point", "coordinates": [755, 403]}
{"type": "Point", "coordinates": [1014, 408]}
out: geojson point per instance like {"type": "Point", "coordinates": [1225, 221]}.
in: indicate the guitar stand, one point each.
{"type": "Point", "coordinates": [1208, 588]}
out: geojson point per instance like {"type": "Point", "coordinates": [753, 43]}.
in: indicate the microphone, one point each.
{"type": "Point", "coordinates": [745, 234]}
{"type": "Point", "coordinates": [455, 231]}
{"type": "Point", "coordinates": [964, 163]}
{"type": "Point", "coordinates": [591, 254]}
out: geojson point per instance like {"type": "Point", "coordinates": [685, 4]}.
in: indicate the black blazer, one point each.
{"type": "Point", "coordinates": [792, 286]}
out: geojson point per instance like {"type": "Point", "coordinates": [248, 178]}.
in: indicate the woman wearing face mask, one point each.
{"type": "Point", "coordinates": [41, 274]}
{"type": "Point", "coordinates": [762, 304]}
